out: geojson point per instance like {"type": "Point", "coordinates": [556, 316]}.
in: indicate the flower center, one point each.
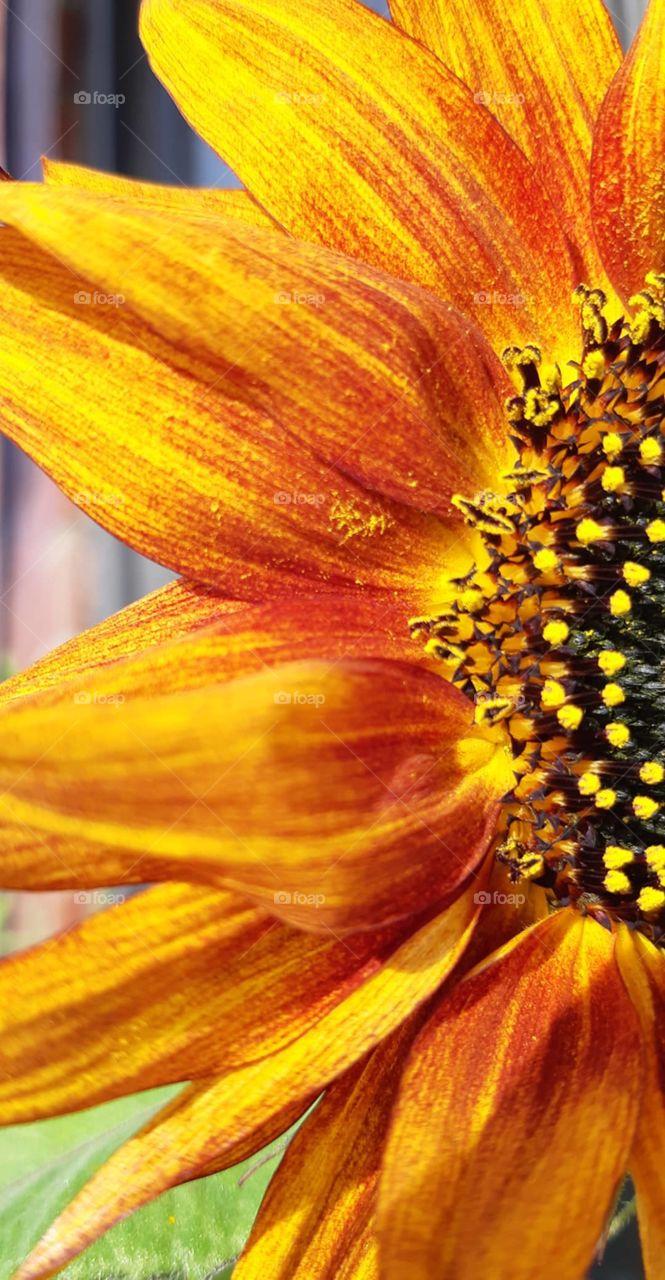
{"type": "Point", "coordinates": [557, 630]}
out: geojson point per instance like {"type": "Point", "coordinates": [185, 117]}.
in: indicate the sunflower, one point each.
{"type": "Point", "coordinates": [390, 749]}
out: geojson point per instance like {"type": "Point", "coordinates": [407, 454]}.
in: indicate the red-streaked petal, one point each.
{"type": "Point", "coordinates": [376, 149]}
{"type": "Point", "coordinates": [185, 474]}
{"type": "Point", "coordinates": [643, 969]}
{"type": "Point", "coordinates": [207, 202]}
{"type": "Point", "coordinates": [627, 178]}
{"type": "Point", "coordinates": [542, 67]}
{"type": "Point", "coordinates": [387, 385]}
{"type": "Point", "coordinates": [131, 653]}
{"type": "Point", "coordinates": [317, 1219]}
{"type": "Point", "coordinates": [217, 1123]}
{"type": "Point", "coordinates": [514, 1123]}
{"type": "Point", "coordinates": [338, 795]}
{"type": "Point", "coordinates": [174, 612]}
{"type": "Point", "coordinates": [177, 983]}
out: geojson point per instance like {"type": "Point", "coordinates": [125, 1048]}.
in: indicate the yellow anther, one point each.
{"type": "Point", "coordinates": [550, 378]}
{"type": "Point", "coordinates": [655, 856]}
{"type": "Point", "coordinates": [605, 798]}
{"type": "Point", "coordinates": [652, 773]}
{"type": "Point", "coordinates": [540, 407]}
{"type": "Point", "coordinates": [650, 899]}
{"type": "Point", "coordinates": [486, 513]}
{"type": "Point", "coordinates": [493, 709]}
{"type": "Point", "coordinates": [617, 734]}
{"type": "Point", "coordinates": [471, 600]}
{"type": "Point", "coordinates": [594, 364]}
{"type": "Point", "coordinates": [620, 603]}
{"type": "Point", "coordinates": [519, 357]}
{"type": "Point", "coordinates": [589, 530]}
{"type": "Point", "coordinates": [656, 282]}
{"type": "Point", "coordinates": [588, 783]}
{"type": "Point", "coordinates": [611, 661]}
{"type": "Point", "coordinates": [635, 574]}
{"type": "Point", "coordinates": [639, 326]}
{"type": "Point", "coordinates": [514, 407]}
{"type": "Point", "coordinates": [570, 717]}
{"type": "Point", "coordinates": [592, 302]}
{"type": "Point", "coordinates": [612, 444]}
{"type": "Point", "coordinates": [445, 650]}
{"type": "Point", "coordinates": [656, 531]}
{"type": "Point", "coordinates": [545, 560]}
{"type": "Point", "coordinates": [613, 695]}
{"type": "Point", "coordinates": [651, 450]}
{"type": "Point", "coordinates": [617, 882]}
{"type": "Point", "coordinates": [615, 857]}
{"type": "Point", "coordinates": [552, 695]}
{"type": "Point", "coordinates": [644, 807]}
{"type": "Point", "coordinates": [613, 479]}
{"type": "Point", "coordinates": [648, 308]}
{"type": "Point", "coordinates": [556, 632]}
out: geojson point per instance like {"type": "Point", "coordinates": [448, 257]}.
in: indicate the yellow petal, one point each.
{"type": "Point", "coordinates": [542, 67]}
{"type": "Point", "coordinates": [628, 189]}
{"type": "Point", "coordinates": [180, 468]}
{"type": "Point", "coordinates": [288, 785]}
{"type": "Point", "coordinates": [217, 1123]}
{"type": "Point", "coordinates": [515, 1118]}
{"type": "Point", "coordinates": [208, 202]}
{"type": "Point", "coordinates": [177, 983]}
{"type": "Point", "coordinates": [389, 386]}
{"type": "Point", "coordinates": [316, 1221]}
{"type": "Point", "coordinates": [376, 149]}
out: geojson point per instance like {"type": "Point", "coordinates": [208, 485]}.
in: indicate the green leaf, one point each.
{"type": "Point", "coordinates": [194, 1232]}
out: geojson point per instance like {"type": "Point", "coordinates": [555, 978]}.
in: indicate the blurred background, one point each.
{"type": "Point", "coordinates": [60, 573]}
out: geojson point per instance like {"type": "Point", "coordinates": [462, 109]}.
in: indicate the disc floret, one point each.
{"type": "Point", "coordinates": [558, 632]}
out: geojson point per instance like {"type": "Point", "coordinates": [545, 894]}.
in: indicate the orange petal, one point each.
{"type": "Point", "coordinates": [386, 384]}
{"type": "Point", "coordinates": [217, 640]}
{"type": "Point", "coordinates": [208, 202]}
{"type": "Point", "coordinates": [316, 1221]}
{"type": "Point", "coordinates": [643, 969]}
{"type": "Point", "coordinates": [169, 1151]}
{"type": "Point", "coordinates": [376, 150]}
{"type": "Point", "coordinates": [288, 785]}
{"type": "Point", "coordinates": [542, 68]}
{"type": "Point", "coordinates": [628, 188]}
{"type": "Point", "coordinates": [181, 471]}
{"type": "Point", "coordinates": [96, 1013]}
{"type": "Point", "coordinates": [216, 1124]}
{"type": "Point", "coordinates": [514, 1122]}
{"type": "Point", "coordinates": [173, 612]}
